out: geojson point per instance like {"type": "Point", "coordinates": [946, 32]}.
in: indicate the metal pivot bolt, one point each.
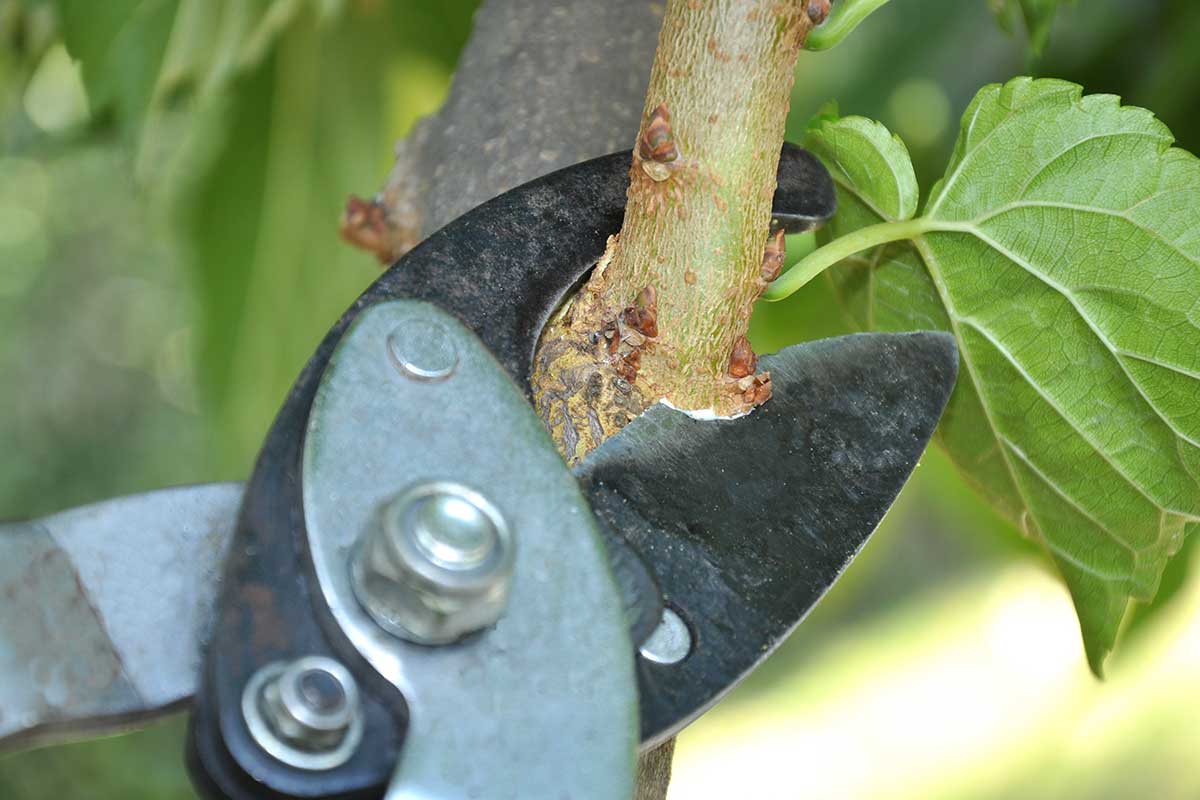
{"type": "Point", "coordinates": [438, 566]}
{"type": "Point", "coordinates": [669, 642]}
{"type": "Point", "coordinates": [423, 351]}
{"type": "Point", "coordinates": [305, 713]}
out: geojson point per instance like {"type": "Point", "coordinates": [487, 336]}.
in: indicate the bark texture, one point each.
{"type": "Point", "coordinates": [540, 85]}
{"type": "Point", "coordinates": [654, 772]}
{"type": "Point", "coordinates": [724, 69]}
{"type": "Point", "coordinates": [665, 312]}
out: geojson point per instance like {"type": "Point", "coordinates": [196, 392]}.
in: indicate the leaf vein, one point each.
{"type": "Point", "coordinates": [1066, 150]}
{"type": "Point", "coordinates": [968, 361]}
{"type": "Point", "coordinates": [1062, 493]}
{"type": "Point", "coordinates": [1100, 335]}
{"type": "Point", "coordinates": [1107, 212]}
{"type": "Point", "coordinates": [1050, 401]}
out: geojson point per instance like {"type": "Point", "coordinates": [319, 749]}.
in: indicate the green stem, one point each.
{"type": "Point", "coordinates": [844, 18]}
{"type": "Point", "coordinates": [841, 248]}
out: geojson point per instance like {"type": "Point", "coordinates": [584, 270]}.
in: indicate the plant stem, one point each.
{"type": "Point", "coordinates": [687, 266]}
{"type": "Point", "coordinates": [695, 223]}
{"type": "Point", "coordinates": [826, 256]}
{"type": "Point", "coordinates": [845, 17]}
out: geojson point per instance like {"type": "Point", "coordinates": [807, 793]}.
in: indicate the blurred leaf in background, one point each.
{"type": "Point", "coordinates": [1036, 16]}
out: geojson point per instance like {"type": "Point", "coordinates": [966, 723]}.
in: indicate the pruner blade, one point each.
{"type": "Point", "coordinates": [746, 523]}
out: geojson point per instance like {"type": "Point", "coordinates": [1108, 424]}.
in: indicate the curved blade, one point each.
{"type": "Point", "coordinates": [804, 194]}
{"type": "Point", "coordinates": [746, 523]}
{"type": "Point", "coordinates": [104, 608]}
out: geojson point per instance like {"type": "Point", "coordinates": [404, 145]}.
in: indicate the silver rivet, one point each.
{"type": "Point", "coordinates": [438, 566]}
{"type": "Point", "coordinates": [670, 642]}
{"type": "Point", "coordinates": [305, 713]}
{"type": "Point", "coordinates": [423, 351]}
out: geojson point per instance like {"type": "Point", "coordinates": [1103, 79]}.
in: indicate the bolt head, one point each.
{"type": "Point", "coordinates": [438, 566]}
{"type": "Point", "coordinates": [669, 642]}
{"type": "Point", "coordinates": [423, 351]}
{"type": "Point", "coordinates": [305, 713]}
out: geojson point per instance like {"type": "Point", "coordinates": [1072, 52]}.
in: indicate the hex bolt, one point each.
{"type": "Point", "coordinates": [305, 713]}
{"type": "Point", "coordinates": [438, 565]}
{"type": "Point", "coordinates": [669, 642]}
{"type": "Point", "coordinates": [423, 351]}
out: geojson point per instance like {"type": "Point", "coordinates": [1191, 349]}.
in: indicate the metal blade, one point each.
{"type": "Point", "coordinates": [104, 608]}
{"type": "Point", "coordinates": [746, 523]}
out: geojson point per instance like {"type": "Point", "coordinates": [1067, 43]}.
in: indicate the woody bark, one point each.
{"type": "Point", "coordinates": [665, 313]}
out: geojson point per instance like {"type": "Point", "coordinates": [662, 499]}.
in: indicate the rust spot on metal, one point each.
{"type": "Point", "coordinates": [258, 603]}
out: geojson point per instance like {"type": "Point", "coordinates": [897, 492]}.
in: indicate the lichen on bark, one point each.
{"type": "Point", "coordinates": [695, 229]}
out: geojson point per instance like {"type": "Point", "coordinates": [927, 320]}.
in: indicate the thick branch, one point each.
{"type": "Point", "coordinates": [541, 84]}
{"type": "Point", "coordinates": [666, 310]}
{"type": "Point", "coordinates": [665, 313]}
{"type": "Point", "coordinates": [724, 70]}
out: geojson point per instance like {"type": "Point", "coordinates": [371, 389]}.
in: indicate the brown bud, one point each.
{"type": "Point", "coordinates": [364, 224]}
{"type": "Point", "coordinates": [773, 255]}
{"type": "Point", "coordinates": [627, 366]}
{"type": "Point", "coordinates": [647, 298]}
{"type": "Point", "coordinates": [658, 141]}
{"type": "Point", "coordinates": [742, 361]}
{"type": "Point", "coordinates": [629, 335]}
{"type": "Point", "coordinates": [818, 10]}
{"type": "Point", "coordinates": [759, 390]}
{"type": "Point", "coordinates": [643, 315]}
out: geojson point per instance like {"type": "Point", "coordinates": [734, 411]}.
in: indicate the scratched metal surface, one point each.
{"type": "Point", "coordinates": [104, 608]}
{"type": "Point", "coordinates": [747, 523]}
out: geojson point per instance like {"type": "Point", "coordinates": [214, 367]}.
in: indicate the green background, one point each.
{"type": "Point", "coordinates": [164, 277]}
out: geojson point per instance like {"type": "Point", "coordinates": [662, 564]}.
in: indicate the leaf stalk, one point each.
{"type": "Point", "coordinates": [841, 248]}
{"type": "Point", "coordinates": [845, 17]}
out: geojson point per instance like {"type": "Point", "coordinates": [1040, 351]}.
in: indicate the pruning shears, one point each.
{"type": "Point", "coordinates": [413, 596]}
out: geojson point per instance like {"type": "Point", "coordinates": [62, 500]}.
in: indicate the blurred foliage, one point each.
{"type": "Point", "coordinates": [169, 258]}
{"type": "Point", "coordinates": [976, 689]}
{"type": "Point", "coordinates": [249, 122]}
{"type": "Point", "coordinates": [1037, 17]}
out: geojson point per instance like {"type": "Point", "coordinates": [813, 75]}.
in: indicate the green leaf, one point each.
{"type": "Point", "coordinates": [120, 45]}
{"type": "Point", "coordinates": [163, 68]}
{"type": "Point", "coordinates": [1037, 17]}
{"type": "Point", "coordinates": [312, 123]}
{"type": "Point", "coordinates": [138, 52]}
{"type": "Point", "coordinates": [1063, 250]}
{"type": "Point", "coordinates": [869, 162]}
